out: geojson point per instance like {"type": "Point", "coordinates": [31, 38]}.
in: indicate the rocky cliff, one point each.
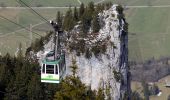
{"type": "Point", "coordinates": [108, 70]}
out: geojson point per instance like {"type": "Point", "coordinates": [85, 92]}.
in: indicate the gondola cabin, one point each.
{"type": "Point", "coordinates": [52, 70]}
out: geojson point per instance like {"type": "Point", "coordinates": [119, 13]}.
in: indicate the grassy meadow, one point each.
{"type": "Point", "coordinates": [11, 35]}
{"type": "Point", "coordinates": [141, 2]}
{"type": "Point", "coordinates": [35, 3]}
{"type": "Point", "coordinates": [46, 3]}
{"type": "Point", "coordinates": [149, 33]}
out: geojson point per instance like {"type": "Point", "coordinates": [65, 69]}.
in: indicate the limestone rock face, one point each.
{"type": "Point", "coordinates": [109, 70]}
{"type": "Point", "coordinates": [101, 71]}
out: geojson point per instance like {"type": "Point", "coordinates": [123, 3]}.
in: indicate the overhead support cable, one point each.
{"type": "Point", "coordinates": [19, 25]}
{"type": "Point", "coordinates": [11, 30]}
{"type": "Point", "coordinates": [23, 3]}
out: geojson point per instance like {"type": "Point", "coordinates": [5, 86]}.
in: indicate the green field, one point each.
{"type": "Point", "coordinates": [58, 3]}
{"type": "Point", "coordinates": [25, 17]}
{"type": "Point", "coordinates": [50, 3]}
{"type": "Point", "coordinates": [141, 2]}
{"type": "Point", "coordinates": [148, 33]}
{"type": "Point", "coordinates": [149, 29]}
{"type": "Point", "coordinates": [36, 3]}
{"type": "Point", "coordinates": [10, 41]}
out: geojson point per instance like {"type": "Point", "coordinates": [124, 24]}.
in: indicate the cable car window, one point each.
{"type": "Point", "coordinates": [49, 69]}
{"type": "Point", "coordinates": [49, 55]}
{"type": "Point", "coordinates": [59, 67]}
{"type": "Point", "coordinates": [43, 68]}
{"type": "Point", "coordinates": [56, 70]}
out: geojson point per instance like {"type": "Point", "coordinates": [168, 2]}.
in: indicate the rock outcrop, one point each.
{"type": "Point", "coordinates": [110, 69]}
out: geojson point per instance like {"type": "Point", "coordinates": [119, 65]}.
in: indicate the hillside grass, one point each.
{"type": "Point", "coordinates": [140, 2]}
{"type": "Point", "coordinates": [87, 1]}
{"type": "Point", "coordinates": [35, 3]}
{"type": "Point", "coordinates": [148, 33]}
{"type": "Point", "coordinates": [47, 3]}
{"type": "Point", "coordinates": [9, 42]}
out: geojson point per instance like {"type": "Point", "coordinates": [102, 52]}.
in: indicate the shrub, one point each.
{"type": "Point", "coordinates": [95, 50]}
{"type": "Point", "coordinates": [154, 90]}
{"type": "Point", "coordinates": [78, 46]}
{"type": "Point", "coordinates": [119, 8]}
{"type": "Point", "coordinates": [117, 75]}
{"type": "Point", "coordinates": [88, 54]}
{"type": "Point", "coordinates": [145, 90]}
{"type": "Point", "coordinates": [99, 49]}
{"type": "Point", "coordinates": [135, 96]}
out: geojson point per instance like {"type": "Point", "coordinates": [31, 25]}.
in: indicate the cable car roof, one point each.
{"type": "Point", "coordinates": [52, 62]}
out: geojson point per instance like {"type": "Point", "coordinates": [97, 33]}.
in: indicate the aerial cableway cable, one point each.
{"type": "Point", "coordinates": [19, 25]}
{"type": "Point", "coordinates": [12, 32]}
{"type": "Point", "coordinates": [23, 3]}
{"type": "Point", "coordinates": [57, 61]}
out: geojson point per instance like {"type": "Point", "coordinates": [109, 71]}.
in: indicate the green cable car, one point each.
{"type": "Point", "coordinates": [53, 66]}
{"type": "Point", "coordinates": [53, 69]}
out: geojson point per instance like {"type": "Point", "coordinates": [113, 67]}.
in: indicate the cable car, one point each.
{"type": "Point", "coordinates": [53, 69]}
{"type": "Point", "coordinates": [53, 66]}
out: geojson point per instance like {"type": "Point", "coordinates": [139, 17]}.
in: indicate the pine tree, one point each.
{"type": "Point", "coordinates": [95, 23]}
{"type": "Point", "coordinates": [91, 6]}
{"type": "Point", "coordinates": [74, 67]}
{"type": "Point", "coordinates": [75, 14]}
{"type": "Point", "coordinates": [41, 44]}
{"type": "Point", "coordinates": [145, 90]}
{"type": "Point", "coordinates": [86, 20]}
{"type": "Point", "coordinates": [87, 17]}
{"type": "Point", "coordinates": [88, 53]}
{"type": "Point", "coordinates": [68, 23]}
{"type": "Point", "coordinates": [99, 8]}
{"type": "Point", "coordinates": [6, 69]}
{"type": "Point", "coordinates": [35, 91]}
{"type": "Point", "coordinates": [2, 74]}
{"type": "Point", "coordinates": [91, 95]}
{"type": "Point", "coordinates": [119, 8]}
{"type": "Point", "coordinates": [50, 90]}
{"type": "Point", "coordinates": [17, 87]}
{"type": "Point", "coordinates": [59, 18]}
{"type": "Point", "coordinates": [22, 78]}
{"type": "Point", "coordinates": [108, 5]}
{"type": "Point", "coordinates": [81, 10]}
{"type": "Point", "coordinates": [6, 72]}
{"type": "Point", "coordinates": [9, 95]}
{"type": "Point", "coordinates": [100, 94]}
{"type": "Point", "coordinates": [71, 89]}
{"type": "Point", "coordinates": [20, 52]}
